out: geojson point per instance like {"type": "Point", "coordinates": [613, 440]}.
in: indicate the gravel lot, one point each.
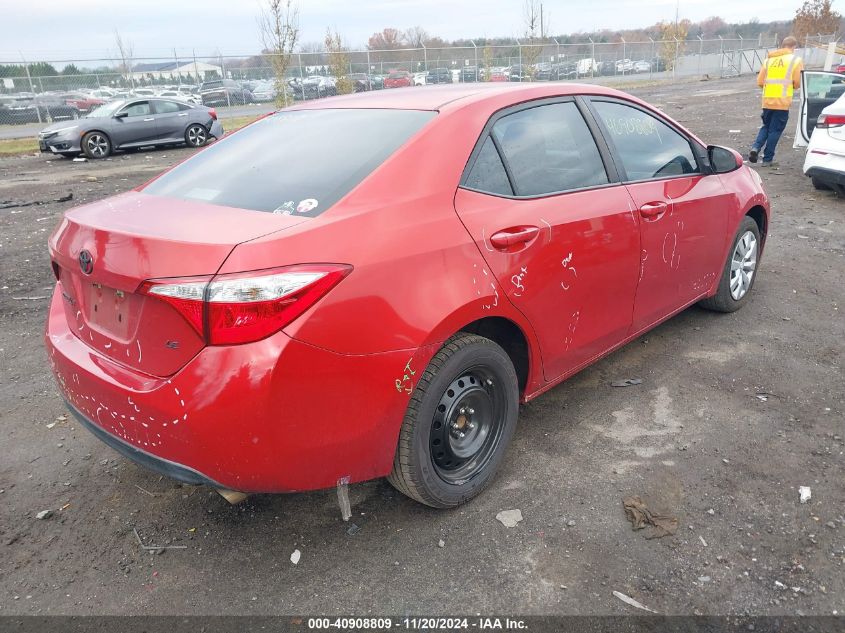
{"type": "Point", "coordinates": [694, 440]}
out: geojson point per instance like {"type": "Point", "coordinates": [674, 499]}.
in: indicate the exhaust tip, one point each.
{"type": "Point", "coordinates": [232, 496]}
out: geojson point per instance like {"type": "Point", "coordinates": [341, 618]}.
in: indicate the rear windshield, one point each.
{"type": "Point", "coordinates": [293, 162]}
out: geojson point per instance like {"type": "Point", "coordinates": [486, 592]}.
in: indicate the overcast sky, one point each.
{"type": "Point", "coordinates": [81, 29]}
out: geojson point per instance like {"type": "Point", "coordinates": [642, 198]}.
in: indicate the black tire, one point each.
{"type": "Point", "coordinates": [196, 135]}
{"type": "Point", "coordinates": [96, 145]}
{"type": "Point", "coordinates": [724, 300]}
{"type": "Point", "coordinates": [487, 379]}
{"type": "Point", "coordinates": [818, 184]}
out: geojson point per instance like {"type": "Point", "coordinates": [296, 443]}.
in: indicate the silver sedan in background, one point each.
{"type": "Point", "coordinates": [128, 124]}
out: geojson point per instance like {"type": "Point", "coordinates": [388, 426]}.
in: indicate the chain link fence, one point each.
{"type": "Point", "coordinates": [36, 92]}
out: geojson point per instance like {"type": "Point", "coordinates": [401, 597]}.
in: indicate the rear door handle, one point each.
{"type": "Point", "coordinates": [150, 119]}
{"type": "Point", "coordinates": [653, 209]}
{"type": "Point", "coordinates": [513, 236]}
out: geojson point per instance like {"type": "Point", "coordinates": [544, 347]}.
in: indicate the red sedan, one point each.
{"type": "Point", "coordinates": [369, 285]}
{"type": "Point", "coordinates": [399, 79]}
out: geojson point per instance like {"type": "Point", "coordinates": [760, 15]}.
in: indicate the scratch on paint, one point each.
{"type": "Point", "coordinates": [490, 306]}
{"type": "Point", "coordinates": [484, 239]}
{"type": "Point", "coordinates": [550, 230]}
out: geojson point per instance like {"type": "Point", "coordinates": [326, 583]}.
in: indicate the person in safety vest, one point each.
{"type": "Point", "coordinates": [779, 76]}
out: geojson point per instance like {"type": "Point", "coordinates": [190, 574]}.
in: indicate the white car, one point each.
{"type": "Point", "coordinates": [419, 78]}
{"type": "Point", "coordinates": [180, 96]}
{"type": "Point", "coordinates": [823, 125]}
{"type": "Point", "coordinates": [642, 66]}
{"type": "Point", "coordinates": [624, 66]}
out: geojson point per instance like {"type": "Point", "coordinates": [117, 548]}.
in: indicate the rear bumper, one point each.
{"type": "Point", "coordinates": [147, 460]}
{"type": "Point", "coordinates": [827, 176]}
{"type": "Point", "coordinates": [277, 415]}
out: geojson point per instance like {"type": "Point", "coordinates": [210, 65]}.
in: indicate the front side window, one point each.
{"type": "Point", "coordinates": [647, 147]}
{"type": "Point", "coordinates": [549, 149]}
{"type": "Point", "coordinates": [293, 162]}
{"type": "Point", "coordinates": [139, 108]}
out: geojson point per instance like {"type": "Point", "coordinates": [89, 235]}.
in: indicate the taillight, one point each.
{"type": "Point", "coordinates": [213, 113]}
{"type": "Point", "coordinates": [830, 120]}
{"type": "Point", "coordinates": [244, 307]}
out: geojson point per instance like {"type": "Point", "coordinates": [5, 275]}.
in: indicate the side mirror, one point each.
{"type": "Point", "coordinates": [722, 159]}
{"type": "Point", "coordinates": [121, 115]}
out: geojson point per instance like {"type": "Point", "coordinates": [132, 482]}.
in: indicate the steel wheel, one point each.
{"type": "Point", "coordinates": [96, 145]}
{"type": "Point", "coordinates": [467, 426]}
{"type": "Point", "coordinates": [743, 265]}
{"type": "Point", "coordinates": [196, 135]}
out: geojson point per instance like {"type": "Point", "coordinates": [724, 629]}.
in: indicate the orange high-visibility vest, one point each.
{"type": "Point", "coordinates": [778, 82]}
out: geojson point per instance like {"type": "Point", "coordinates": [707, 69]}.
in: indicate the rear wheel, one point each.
{"type": "Point", "coordinates": [459, 421]}
{"type": "Point", "coordinates": [196, 135]}
{"type": "Point", "coordinates": [96, 145]}
{"type": "Point", "coordinates": [740, 270]}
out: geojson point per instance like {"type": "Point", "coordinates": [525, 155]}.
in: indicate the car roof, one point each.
{"type": "Point", "coordinates": [455, 95]}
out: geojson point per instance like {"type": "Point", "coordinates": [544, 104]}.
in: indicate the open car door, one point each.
{"type": "Point", "coordinates": [819, 89]}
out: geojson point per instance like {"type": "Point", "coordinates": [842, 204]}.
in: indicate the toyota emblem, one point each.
{"type": "Point", "coordinates": [86, 262]}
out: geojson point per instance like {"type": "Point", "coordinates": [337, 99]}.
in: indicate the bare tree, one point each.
{"type": "Point", "coordinates": [536, 32]}
{"type": "Point", "coordinates": [415, 37]}
{"type": "Point", "coordinates": [125, 50]}
{"type": "Point", "coordinates": [279, 33]}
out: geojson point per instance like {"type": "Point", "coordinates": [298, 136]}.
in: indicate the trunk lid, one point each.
{"type": "Point", "coordinates": [134, 237]}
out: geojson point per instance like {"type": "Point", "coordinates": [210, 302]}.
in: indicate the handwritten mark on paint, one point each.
{"type": "Point", "coordinates": [570, 273]}
{"type": "Point", "coordinates": [406, 383]}
{"type": "Point", "coordinates": [517, 279]}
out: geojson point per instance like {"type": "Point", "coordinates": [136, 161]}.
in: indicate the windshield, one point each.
{"type": "Point", "coordinates": [106, 110]}
{"type": "Point", "coordinates": [293, 162]}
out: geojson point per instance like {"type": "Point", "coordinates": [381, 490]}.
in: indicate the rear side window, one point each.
{"type": "Point", "coordinates": [549, 149]}
{"type": "Point", "coordinates": [487, 173]}
{"type": "Point", "coordinates": [167, 107]}
{"type": "Point", "coordinates": [294, 162]}
{"type": "Point", "coordinates": [647, 147]}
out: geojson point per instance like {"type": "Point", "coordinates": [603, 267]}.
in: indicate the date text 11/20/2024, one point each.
{"type": "Point", "coordinates": [418, 624]}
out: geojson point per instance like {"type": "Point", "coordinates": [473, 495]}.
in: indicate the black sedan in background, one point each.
{"type": "Point", "coordinates": [43, 108]}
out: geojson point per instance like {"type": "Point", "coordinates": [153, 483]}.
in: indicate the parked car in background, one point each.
{"type": "Point", "coordinates": [175, 94]}
{"type": "Point", "coordinates": [398, 79]}
{"type": "Point", "coordinates": [83, 102]}
{"type": "Point", "coordinates": [360, 82]}
{"type": "Point", "coordinates": [605, 68]}
{"type": "Point", "coordinates": [822, 125]}
{"type": "Point", "coordinates": [317, 86]}
{"type": "Point", "coordinates": [658, 65]}
{"type": "Point", "coordinates": [222, 92]}
{"type": "Point", "coordinates": [497, 73]}
{"type": "Point", "coordinates": [264, 91]}
{"type": "Point", "coordinates": [303, 257]}
{"type": "Point", "coordinates": [519, 72]}
{"type": "Point", "coordinates": [624, 66]}
{"type": "Point", "coordinates": [42, 108]}
{"type": "Point", "coordinates": [377, 81]}
{"type": "Point", "coordinates": [419, 78]}
{"type": "Point", "coordinates": [132, 123]}
{"type": "Point", "coordinates": [642, 66]}
{"type": "Point", "coordinates": [438, 76]}
{"type": "Point", "coordinates": [586, 67]}
{"type": "Point", "coordinates": [470, 73]}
